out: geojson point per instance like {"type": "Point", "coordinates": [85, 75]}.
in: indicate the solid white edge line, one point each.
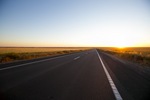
{"type": "Point", "coordinates": [115, 90]}
{"type": "Point", "coordinates": [32, 62]}
{"type": "Point", "coordinates": [77, 58]}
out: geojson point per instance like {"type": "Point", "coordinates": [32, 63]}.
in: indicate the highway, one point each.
{"type": "Point", "coordinates": [87, 75]}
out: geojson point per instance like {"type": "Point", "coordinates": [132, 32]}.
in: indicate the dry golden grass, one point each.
{"type": "Point", "coordinates": [13, 54]}
{"type": "Point", "coordinates": [143, 51]}
{"type": "Point", "coordinates": [139, 55]}
{"type": "Point", "coordinates": [36, 49]}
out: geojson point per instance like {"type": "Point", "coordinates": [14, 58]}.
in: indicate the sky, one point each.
{"type": "Point", "coordinates": [75, 23]}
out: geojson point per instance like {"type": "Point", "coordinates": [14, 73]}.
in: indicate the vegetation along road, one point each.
{"type": "Point", "coordinates": [85, 75]}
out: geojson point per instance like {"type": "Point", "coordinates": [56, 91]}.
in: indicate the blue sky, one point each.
{"type": "Point", "coordinates": [47, 23]}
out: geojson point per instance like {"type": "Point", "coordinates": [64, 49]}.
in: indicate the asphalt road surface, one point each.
{"type": "Point", "coordinates": [88, 75]}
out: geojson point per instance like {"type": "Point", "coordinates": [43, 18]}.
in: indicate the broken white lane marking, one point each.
{"type": "Point", "coordinates": [114, 88]}
{"type": "Point", "coordinates": [77, 58]}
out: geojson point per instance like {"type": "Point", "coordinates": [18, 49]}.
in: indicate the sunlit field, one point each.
{"type": "Point", "coordinates": [140, 55]}
{"type": "Point", "coordinates": [35, 49]}
{"type": "Point", "coordinates": [14, 54]}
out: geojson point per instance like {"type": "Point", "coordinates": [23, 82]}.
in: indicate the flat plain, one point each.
{"type": "Point", "coordinates": [140, 55]}
{"type": "Point", "coordinates": [9, 54]}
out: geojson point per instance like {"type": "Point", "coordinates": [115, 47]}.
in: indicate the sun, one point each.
{"type": "Point", "coordinates": [120, 47]}
{"type": "Point", "coordinates": [121, 40]}
{"type": "Point", "coordinates": [122, 44]}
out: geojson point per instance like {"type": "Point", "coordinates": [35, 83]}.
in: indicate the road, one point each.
{"type": "Point", "coordinates": [88, 75]}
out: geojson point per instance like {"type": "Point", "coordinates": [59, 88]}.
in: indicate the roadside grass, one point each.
{"type": "Point", "coordinates": [26, 54]}
{"type": "Point", "coordinates": [140, 55]}
{"type": "Point", "coordinates": [36, 49]}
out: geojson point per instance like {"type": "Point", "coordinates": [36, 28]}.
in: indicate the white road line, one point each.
{"type": "Point", "coordinates": [32, 62]}
{"type": "Point", "coordinates": [115, 90]}
{"type": "Point", "coordinates": [77, 58]}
